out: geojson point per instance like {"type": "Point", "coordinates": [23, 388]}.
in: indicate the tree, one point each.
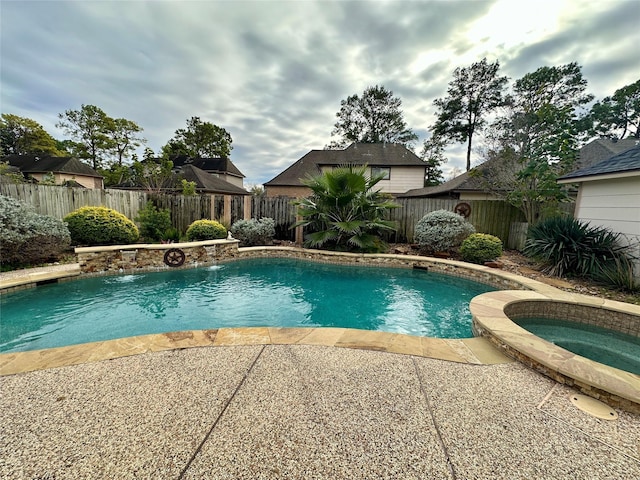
{"type": "Point", "coordinates": [344, 211]}
{"type": "Point", "coordinates": [200, 139]}
{"type": "Point", "coordinates": [473, 93]}
{"type": "Point", "coordinates": [619, 115]}
{"type": "Point", "coordinates": [23, 136]}
{"type": "Point", "coordinates": [375, 117]}
{"type": "Point", "coordinates": [433, 155]}
{"type": "Point", "coordinates": [538, 137]}
{"type": "Point", "coordinates": [154, 174]}
{"type": "Point", "coordinates": [124, 135]}
{"type": "Point", "coordinates": [257, 190]}
{"type": "Point", "coordinates": [90, 128]}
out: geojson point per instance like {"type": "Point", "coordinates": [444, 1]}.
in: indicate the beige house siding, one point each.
{"type": "Point", "coordinates": [614, 204]}
{"type": "Point", "coordinates": [232, 179]}
{"type": "Point", "coordinates": [60, 178]}
{"type": "Point", "coordinates": [401, 179]}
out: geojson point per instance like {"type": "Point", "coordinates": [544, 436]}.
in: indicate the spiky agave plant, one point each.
{"type": "Point", "coordinates": [568, 246]}
{"type": "Point", "coordinates": [344, 212]}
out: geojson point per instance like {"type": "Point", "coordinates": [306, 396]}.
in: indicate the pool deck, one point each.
{"type": "Point", "coordinates": [296, 403]}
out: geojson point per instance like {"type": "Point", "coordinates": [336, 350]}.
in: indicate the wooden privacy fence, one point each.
{"type": "Point", "coordinates": [59, 201]}
{"type": "Point", "coordinates": [488, 216]}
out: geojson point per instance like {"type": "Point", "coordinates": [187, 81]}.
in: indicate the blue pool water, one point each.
{"type": "Point", "coordinates": [244, 293]}
{"type": "Point", "coordinates": [600, 344]}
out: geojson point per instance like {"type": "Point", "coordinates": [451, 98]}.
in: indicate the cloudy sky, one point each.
{"type": "Point", "coordinates": [273, 73]}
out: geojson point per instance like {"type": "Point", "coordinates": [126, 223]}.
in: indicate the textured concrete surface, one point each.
{"type": "Point", "coordinates": [303, 411]}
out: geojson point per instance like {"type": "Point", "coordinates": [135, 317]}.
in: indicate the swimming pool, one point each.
{"type": "Point", "coordinates": [606, 346]}
{"type": "Point", "coordinates": [245, 293]}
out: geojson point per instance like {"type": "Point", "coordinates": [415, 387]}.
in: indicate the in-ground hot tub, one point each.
{"type": "Point", "coordinates": [496, 316]}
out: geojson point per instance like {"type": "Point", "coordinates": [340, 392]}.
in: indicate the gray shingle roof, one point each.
{"type": "Point", "coordinates": [624, 162]}
{"type": "Point", "coordinates": [219, 165]}
{"type": "Point", "coordinates": [378, 154]}
{"type": "Point", "coordinates": [475, 180]}
{"type": "Point", "coordinates": [42, 164]}
{"type": "Point", "coordinates": [602, 148]}
{"type": "Point", "coordinates": [208, 183]}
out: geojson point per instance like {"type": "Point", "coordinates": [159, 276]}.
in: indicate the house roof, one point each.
{"type": "Point", "coordinates": [378, 154]}
{"type": "Point", "coordinates": [41, 164]}
{"type": "Point", "coordinates": [623, 163]}
{"type": "Point", "coordinates": [602, 148]}
{"type": "Point", "coordinates": [475, 180]}
{"type": "Point", "coordinates": [206, 182]}
{"type": "Point", "coordinates": [217, 165]}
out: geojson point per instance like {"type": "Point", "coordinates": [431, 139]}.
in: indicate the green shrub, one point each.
{"type": "Point", "coordinates": [442, 230]}
{"type": "Point", "coordinates": [154, 223]}
{"type": "Point", "coordinates": [171, 235]}
{"type": "Point", "coordinates": [480, 248]}
{"type": "Point", "coordinates": [100, 226]}
{"type": "Point", "coordinates": [346, 211]}
{"type": "Point", "coordinates": [28, 238]}
{"type": "Point", "coordinates": [254, 232]}
{"type": "Point", "coordinates": [206, 230]}
{"type": "Point", "coordinates": [567, 246]}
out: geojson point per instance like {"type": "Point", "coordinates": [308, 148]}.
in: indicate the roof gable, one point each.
{"type": "Point", "coordinates": [601, 149]}
{"type": "Point", "coordinates": [378, 154]}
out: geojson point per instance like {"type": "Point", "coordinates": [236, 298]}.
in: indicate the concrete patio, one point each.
{"type": "Point", "coordinates": [303, 411]}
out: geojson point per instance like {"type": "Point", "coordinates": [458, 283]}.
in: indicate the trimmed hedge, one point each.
{"type": "Point", "coordinates": [254, 232]}
{"type": "Point", "coordinates": [480, 248]}
{"type": "Point", "coordinates": [442, 230]}
{"type": "Point", "coordinates": [206, 230]}
{"type": "Point", "coordinates": [100, 226]}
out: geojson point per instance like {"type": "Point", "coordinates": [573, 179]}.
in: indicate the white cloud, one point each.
{"type": "Point", "coordinates": [273, 72]}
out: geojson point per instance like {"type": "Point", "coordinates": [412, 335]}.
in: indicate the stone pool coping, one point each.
{"type": "Point", "coordinates": [478, 351]}
{"type": "Point", "coordinates": [611, 385]}
{"type": "Point", "coordinates": [490, 323]}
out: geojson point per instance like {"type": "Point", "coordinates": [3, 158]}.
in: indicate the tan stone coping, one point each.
{"type": "Point", "coordinates": [469, 350]}
{"type": "Point", "coordinates": [592, 378]}
{"type": "Point", "coordinates": [154, 246]}
{"type": "Point", "coordinates": [34, 276]}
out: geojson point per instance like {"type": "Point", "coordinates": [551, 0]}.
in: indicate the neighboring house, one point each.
{"type": "Point", "coordinates": [476, 183]}
{"type": "Point", "coordinates": [208, 183]}
{"type": "Point", "coordinates": [602, 148]}
{"type": "Point", "coordinates": [402, 168]}
{"type": "Point", "coordinates": [223, 168]}
{"type": "Point", "coordinates": [609, 195]}
{"type": "Point", "coordinates": [61, 170]}
{"type": "Point", "coordinates": [471, 185]}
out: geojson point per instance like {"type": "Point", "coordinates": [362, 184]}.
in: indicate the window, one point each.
{"type": "Point", "coordinates": [386, 171]}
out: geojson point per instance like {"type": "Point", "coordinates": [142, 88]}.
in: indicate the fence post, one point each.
{"type": "Point", "coordinates": [299, 232]}
{"type": "Point", "coordinates": [248, 214]}
{"type": "Point", "coordinates": [226, 214]}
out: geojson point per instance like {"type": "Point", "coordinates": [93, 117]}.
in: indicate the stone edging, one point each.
{"type": "Point", "coordinates": [611, 385]}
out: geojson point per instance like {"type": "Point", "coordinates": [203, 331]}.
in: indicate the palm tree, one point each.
{"type": "Point", "coordinates": [344, 212]}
